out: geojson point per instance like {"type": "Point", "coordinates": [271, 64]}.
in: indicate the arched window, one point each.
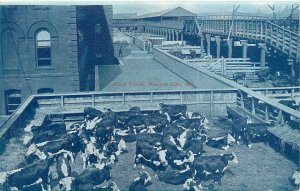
{"type": "Point", "coordinates": [43, 48]}
{"type": "Point", "coordinates": [12, 100]}
{"type": "Point", "coordinates": [45, 90]}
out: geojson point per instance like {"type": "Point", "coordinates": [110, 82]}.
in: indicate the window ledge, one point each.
{"type": "Point", "coordinates": [12, 69]}
{"type": "Point", "coordinates": [45, 68]}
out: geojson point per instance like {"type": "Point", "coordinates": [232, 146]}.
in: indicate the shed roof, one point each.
{"type": "Point", "coordinates": [124, 16]}
{"type": "Point", "coordinates": [173, 12]}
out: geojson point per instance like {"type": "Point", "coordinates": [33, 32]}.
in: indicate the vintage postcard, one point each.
{"type": "Point", "coordinates": [140, 95]}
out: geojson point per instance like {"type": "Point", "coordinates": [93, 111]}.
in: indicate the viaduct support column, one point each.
{"type": "Point", "coordinates": [218, 42]}
{"type": "Point", "coordinates": [263, 48]}
{"type": "Point", "coordinates": [207, 37]}
{"type": "Point", "coordinates": [181, 36]}
{"type": "Point", "coordinates": [229, 43]}
{"type": "Point", "coordinates": [201, 43]}
{"type": "Point", "coordinates": [245, 44]}
{"type": "Point", "coordinates": [291, 64]}
{"type": "Point", "coordinates": [173, 35]}
{"type": "Point", "coordinates": [166, 35]}
{"type": "Point", "coordinates": [170, 35]}
{"type": "Point", "coordinates": [177, 35]}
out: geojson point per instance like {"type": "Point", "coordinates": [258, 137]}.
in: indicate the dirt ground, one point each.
{"type": "Point", "coordinates": [259, 168]}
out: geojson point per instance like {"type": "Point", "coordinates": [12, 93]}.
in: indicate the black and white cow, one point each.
{"type": "Point", "coordinates": [63, 166]}
{"type": "Point", "coordinates": [191, 185]}
{"type": "Point", "coordinates": [222, 142]}
{"type": "Point", "coordinates": [213, 167]}
{"type": "Point", "coordinates": [295, 179]}
{"type": "Point", "coordinates": [173, 112]}
{"type": "Point", "coordinates": [69, 144]}
{"type": "Point", "coordinates": [141, 182]}
{"type": "Point", "coordinates": [151, 156]}
{"type": "Point", "coordinates": [35, 174]}
{"type": "Point", "coordinates": [107, 186]}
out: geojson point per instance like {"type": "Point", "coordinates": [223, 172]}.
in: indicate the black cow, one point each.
{"type": "Point", "coordinates": [291, 104]}
{"type": "Point", "coordinates": [173, 176]}
{"type": "Point", "coordinates": [134, 111]}
{"type": "Point", "coordinates": [150, 138]}
{"type": "Point", "coordinates": [193, 124]}
{"type": "Point", "coordinates": [58, 128]}
{"type": "Point", "coordinates": [220, 142]}
{"type": "Point", "coordinates": [91, 176]}
{"type": "Point", "coordinates": [195, 145]}
{"type": "Point", "coordinates": [30, 174]}
{"type": "Point", "coordinates": [254, 133]}
{"type": "Point", "coordinates": [239, 76]}
{"type": "Point", "coordinates": [263, 75]}
{"type": "Point", "coordinates": [92, 112]}
{"type": "Point", "coordinates": [213, 167]}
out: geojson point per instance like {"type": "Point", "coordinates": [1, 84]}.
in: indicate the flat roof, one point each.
{"type": "Point", "coordinates": [139, 74]}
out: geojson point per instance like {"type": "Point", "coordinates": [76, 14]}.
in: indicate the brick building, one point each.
{"type": "Point", "coordinates": [48, 49]}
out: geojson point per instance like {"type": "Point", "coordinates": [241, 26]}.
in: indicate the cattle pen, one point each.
{"type": "Point", "coordinates": [68, 108]}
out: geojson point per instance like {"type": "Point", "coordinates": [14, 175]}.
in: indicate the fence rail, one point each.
{"type": "Point", "coordinates": [228, 66]}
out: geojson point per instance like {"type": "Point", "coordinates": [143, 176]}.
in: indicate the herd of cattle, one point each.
{"type": "Point", "coordinates": [170, 141]}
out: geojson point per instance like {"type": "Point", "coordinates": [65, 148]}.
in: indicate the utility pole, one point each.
{"type": "Point", "coordinates": [273, 11]}
{"type": "Point", "coordinates": [234, 10]}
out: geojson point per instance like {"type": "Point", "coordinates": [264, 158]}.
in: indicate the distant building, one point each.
{"type": "Point", "coordinates": [47, 49]}
{"type": "Point", "coordinates": [168, 23]}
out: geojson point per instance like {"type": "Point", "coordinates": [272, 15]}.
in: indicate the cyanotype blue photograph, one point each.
{"type": "Point", "coordinates": [158, 96]}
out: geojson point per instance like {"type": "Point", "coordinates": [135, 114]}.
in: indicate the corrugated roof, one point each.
{"type": "Point", "coordinates": [173, 12]}
{"type": "Point", "coordinates": [124, 16]}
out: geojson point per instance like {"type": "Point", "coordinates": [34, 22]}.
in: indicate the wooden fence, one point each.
{"type": "Point", "coordinates": [228, 66]}
{"type": "Point", "coordinates": [245, 95]}
{"type": "Point", "coordinates": [210, 102]}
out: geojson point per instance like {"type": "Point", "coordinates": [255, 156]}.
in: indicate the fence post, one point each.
{"type": "Point", "coordinates": [293, 94]}
{"type": "Point", "coordinates": [93, 99]}
{"type": "Point", "coordinates": [253, 105]}
{"type": "Point", "coordinates": [62, 100]}
{"type": "Point", "coordinates": [123, 95]}
{"type": "Point", "coordinates": [181, 97]}
{"type": "Point", "coordinates": [266, 113]}
{"type": "Point", "coordinates": [242, 100]}
{"type": "Point", "coordinates": [151, 98]}
{"type": "Point", "coordinates": [211, 103]}
{"type": "Point", "coordinates": [279, 118]}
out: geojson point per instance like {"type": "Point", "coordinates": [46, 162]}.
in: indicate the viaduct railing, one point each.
{"type": "Point", "coordinates": [176, 24]}
{"type": "Point", "coordinates": [256, 29]}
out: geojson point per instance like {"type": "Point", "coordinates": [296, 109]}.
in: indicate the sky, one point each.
{"type": "Point", "coordinates": [202, 6]}
{"type": "Point", "coordinates": [196, 6]}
